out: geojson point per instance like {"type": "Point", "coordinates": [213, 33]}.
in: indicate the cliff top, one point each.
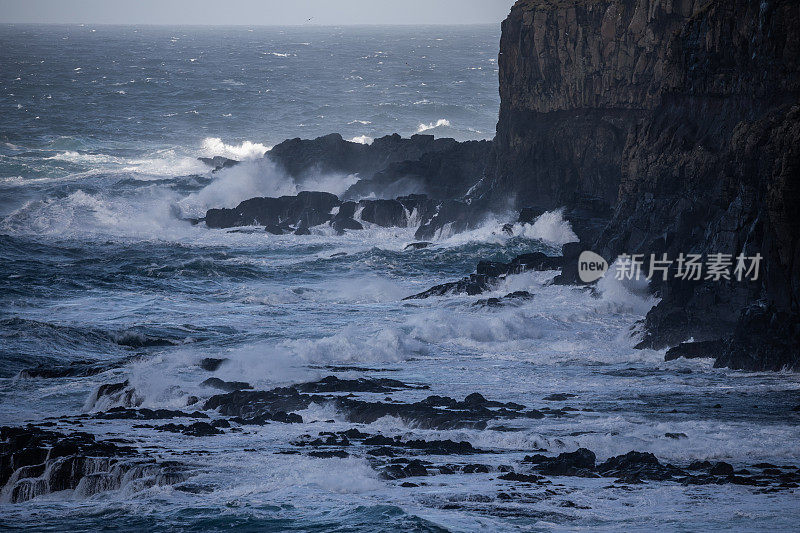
{"type": "Point", "coordinates": [555, 3]}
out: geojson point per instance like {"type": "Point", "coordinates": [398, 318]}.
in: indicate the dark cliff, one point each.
{"type": "Point", "coordinates": [682, 116]}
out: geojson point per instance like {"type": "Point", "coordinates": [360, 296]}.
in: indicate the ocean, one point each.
{"type": "Point", "coordinates": [100, 133]}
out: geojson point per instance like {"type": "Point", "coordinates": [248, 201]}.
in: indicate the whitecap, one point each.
{"type": "Point", "coordinates": [442, 122]}
{"type": "Point", "coordinates": [245, 150]}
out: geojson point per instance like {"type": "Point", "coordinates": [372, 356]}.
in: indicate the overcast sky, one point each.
{"type": "Point", "coordinates": [255, 12]}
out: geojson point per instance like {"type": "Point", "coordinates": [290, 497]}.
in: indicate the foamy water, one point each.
{"type": "Point", "coordinates": [98, 264]}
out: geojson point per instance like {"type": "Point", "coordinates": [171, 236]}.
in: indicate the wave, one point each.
{"type": "Point", "coordinates": [244, 150]}
{"type": "Point", "coordinates": [442, 122]}
{"type": "Point", "coordinates": [549, 227]}
{"type": "Point", "coordinates": [362, 139]}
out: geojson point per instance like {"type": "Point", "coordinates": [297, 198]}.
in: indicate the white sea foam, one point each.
{"type": "Point", "coordinates": [245, 150]}
{"type": "Point", "coordinates": [442, 122]}
{"type": "Point", "coordinates": [549, 227]}
{"type": "Point", "coordinates": [362, 139]}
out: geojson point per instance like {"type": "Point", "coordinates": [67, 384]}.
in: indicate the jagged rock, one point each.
{"type": "Point", "coordinates": [577, 463]}
{"type": "Point", "coordinates": [307, 208]}
{"type": "Point", "coordinates": [122, 413]}
{"type": "Point", "coordinates": [196, 429]}
{"type": "Point", "coordinates": [521, 263]}
{"type": "Point", "coordinates": [334, 384]}
{"type": "Point", "coordinates": [119, 393]}
{"type": "Point", "coordinates": [442, 174]}
{"type": "Point", "coordinates": [264, 418]}
{"type": "Point", "coordinates": [34, 462]}
{"type": "Point", "coordinates": [302, 230]}
{"type": "Point", "coordinates": [218, 162]}
{"type": "Point", "coordinates": [332, 154]}
{"type": "Point", "coordinates": [521, 478]}
{"type": "Point", "coordinates": [633, 106]}
{"type": "Point", "coordinates": [386, 213]}
{"type": "Point", "coordinates": [637, 466]}
{"type": "Point", "coordinates": [342, 224]}
{"type": "Point", "coordinates": [451, 217]}
{"type": "Point", "coordinates": [228, 386]}
{"type": "Point", "coordinates": [559, 397]}
{"type": "Point", "coordinates": [488, 273]}
{"type": "Point", "coordinates": [695, 350]}
{"type": "Point", "coordinates": [434, 412]}
{"type": "Point", "coordinates": [73, 369]}
{"type": "Point", "coordinates": [212, 364]}
{"type": "Point", "coordinates": [327, 454]}
{"type": "Point", "coordinates": [471, 285]}
{"type": "Point", "coordinates": [417, 245]}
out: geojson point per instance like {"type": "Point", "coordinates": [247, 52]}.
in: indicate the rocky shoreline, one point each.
{"type": "Point", "coordinates": [637, 127]}
{"type": "Point", "coordinates": [49, 457]}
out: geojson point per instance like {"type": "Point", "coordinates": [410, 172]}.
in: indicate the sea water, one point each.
{"type": "Point", "coordinates": [99, 137]}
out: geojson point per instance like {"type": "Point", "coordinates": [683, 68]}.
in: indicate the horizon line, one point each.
{"type": "Point", "coordinates": [237, 25]}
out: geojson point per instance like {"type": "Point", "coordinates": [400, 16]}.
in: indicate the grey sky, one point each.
{"type": "Point", "coordinates": [255, 12]}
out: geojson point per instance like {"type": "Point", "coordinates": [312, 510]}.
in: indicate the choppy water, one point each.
{"type": "Point", "coordinates": [99, 133]}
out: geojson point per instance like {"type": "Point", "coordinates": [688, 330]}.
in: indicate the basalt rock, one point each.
{"type": "Point", "coordinates": [35, 462]}
{"type": "Point", "coordinates": [73, 369]}
{"type": "Point", "coordinates": [681, 117]}
{"type": "Point", "coordinates": [332, 154]}
{"type": "Point", "coordinates": [471, 285]}
{"type": "Point", "coordinates": [307, 207]}
{"type": "Point", "coordinates": [297, 214]}
{"type": "Point", "coordinates": [488, 274]}
{"type": "Point", "coordinates": [122, 413]}
{"type": "Point", "coordinates": [443, 174]}
{"type": "Point", "coordinates": [434, 412]}
{"type": "Point", "coordinates": [218, 162]}
{"type": "Point", "coordinates": [228, 386]}
{"type": "Point", "coordinates": [334, 384]}
{"type": "Point", "coordinates": [695, 350]}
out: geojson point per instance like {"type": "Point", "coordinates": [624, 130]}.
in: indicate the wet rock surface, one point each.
{"type": "Point", "coordinates": [34, 462]}
{"type": "Point", "coordinates": [489, 273]}
{"type": "Point", "coordinates": [659, 114]}
{"type": "Point", "coordinates": [308, 209]}
{"type": "Point", "coordinates": [434, 412]}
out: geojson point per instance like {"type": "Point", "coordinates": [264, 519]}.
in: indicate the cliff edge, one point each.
{"type": "Point", "coordinates": [682, 117]}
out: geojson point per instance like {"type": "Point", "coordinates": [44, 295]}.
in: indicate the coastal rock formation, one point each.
{"type": "Point", "coordinates": [296, 214]}
{"type": "Point", "coordinates": [682, 116]}
{"type": "Point", "coordinates": [656, 126]}
{"type": "Point", "coordinates": [35, 461]}
{"type": "Point", "coordinates": [389, 166]}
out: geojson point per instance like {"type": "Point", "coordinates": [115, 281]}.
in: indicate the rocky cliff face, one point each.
{"type": "Point", "coordinates": [682, 116]}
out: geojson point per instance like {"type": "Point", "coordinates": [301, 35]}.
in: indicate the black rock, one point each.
{"type": "Point", "coordinates": [228, 386]}
{"type": "Point", "coordinates": [196, 429]}
{"type": "Point", "coordinates": [695, 350]}
{"type": "Point", "coordinates": [386, 213]}
{"type": "Point", "coordinates": [211, 363]}
{"type": "Point", "coordinates": [637, 466]}
{"type": "Point", "coordinates": [471, 285]}
{"type": "Point", "coordinates": [218, 162]}
{"type": "Point", "coordinates": [122, 413]}
{"type": "Point", "coordinates": [577, 463]}
{"type": "Point", "coordinates": [522, 478]}
{"type": "Point", "coordinates": [341, 224]}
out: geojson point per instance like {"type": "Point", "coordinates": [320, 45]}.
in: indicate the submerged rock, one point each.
{"type": "Point", "coordinates": [471, 285]}
{"type": "Point", "coordinates": [218, 162]}
{"type": "Point", "coordinates": [34, 462]}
